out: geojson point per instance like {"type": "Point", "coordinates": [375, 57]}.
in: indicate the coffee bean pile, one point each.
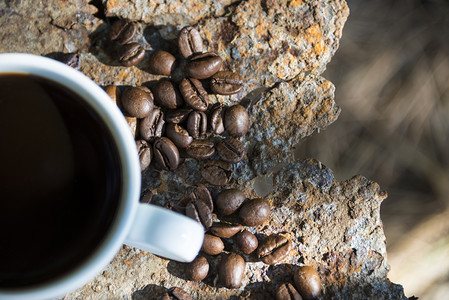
{"type": "Point", "coordinates": [251, 212]}
{"type": "Point", "coordinates": [177, 116]}
{"type": "Point", "coordinates": [174, 118]}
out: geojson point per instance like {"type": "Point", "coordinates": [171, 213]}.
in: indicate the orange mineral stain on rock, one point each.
{"type": "Point", "coordinates": [307, 115]}
{"type": "Point", "coordinates": [112, 4]}
{"type": "Point", "coordinates": [295, 3]}
{"type": "Point", "coordinates": [320, 48]}
{"type": "Point", "coordinates": [198, 7]}
{"type": "Point", "coordinates": [313, 34]}
{"type": "Point", "coordinates": [123, 75]}
{"type": "Point", "coordinates": [261, 29]}
{"type": "Point", "coordinates": [208, 35]}
{"type": "Point", "coordinates": [325, 85]}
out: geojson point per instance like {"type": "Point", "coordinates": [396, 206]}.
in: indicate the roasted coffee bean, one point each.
{"type": "Point", "coordinates": [178, 116]}
{"type": "Point", "coordinates": [274, 249]}
{"type": "Point", "coordinates": [71, 59]}
{"type": "Point", "coordinates": [231, 150]}
{"type": "Point", "coordinates": [236, 120]}
{"type": "Point", "coordinates": [229, 201]}
{"type": "Point", "coordinates": [114, 93]}
{"type": "Point", "coordinates": [225, 230]}
{"type": "Point", "coordinates": [201, 193]}
{"type": "Point", "coordinates": [137, 102]}
{"type": "Point", "coordinates": [204, 65]}
{"type": "Point", "coordinates": [212, 245]}
{"type": "Point", "coordinates": [226, 83]}
{"type": "Point", "coordinates": [246, 241]}
{"type": "Point", "coordinates": [145, 154]}
{"type": "Point", "coordinates": [197, 270]}
{"type": "Point", "coordinates": [231, 270]}
{"type": "Point", "coordinates": [165, 153]}
{"type": "Point", "coordinates": [217, 172]}
{"type": "Point", "coordinates": [190, 41]}
{"type": "Point", "coordinates": [167, 95]}
{"type": "Point", "coordinates": [194, 94]}
{"type": "Point", "coordinates": [287, 292]}
{"type": "Point", "coordinates": [178, 135]}
{"type": "Point", "coordinates": [176, 293]}
{"type": "Point", "coordinates": [130, 54]}
{"type": "Point", "coordinates": [176, 206]}
{"type": "Point", "coordinates": [161, 63]}
{"type": "Point", "coordinates": [201, 149]}
{"type": "Point", "coordinates": [254, 212]}
{"type": "Point", "coordinates": [122, 31]}
{"type": "Point", "coordinates": [307, 282]}
{"type": "Point", "coordinates": [152, 126]}
{"type": "Point", "coordinates": [132, 123]}
{"type": "Point", "coordinates": [216, 119]}
{"type": "Point", "coordinates": [197, 124]}
{"type": "Point", "coordinates": [199, 211]}
{"type": "Point", "coordinates": [147, 197]}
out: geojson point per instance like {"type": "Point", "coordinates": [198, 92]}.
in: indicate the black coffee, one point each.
{"type": "Point", "coordinates": [60, 180]}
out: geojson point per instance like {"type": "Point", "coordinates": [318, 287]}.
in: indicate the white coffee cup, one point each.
{"type": "Point", "coordinates": [144, 226]}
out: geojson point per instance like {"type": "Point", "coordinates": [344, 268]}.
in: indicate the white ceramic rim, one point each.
{"type": "Point", "coordinates": [111, 115]}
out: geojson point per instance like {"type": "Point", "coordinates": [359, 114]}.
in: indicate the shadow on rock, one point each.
{"type": "Point", "coordinates": [281, 273]}
{"type": "Point", "coordinates": [365, 288]}
{"type": "Point", "coordinates": [176, 269]}
{"type": "Point", "coordinates": [101, 47]}
{"type": "Point", "coordinates": [256, 291]}
{"type": "Point", "coordinates": [151, 291]}
{"type": "Point", "coordinates": [162, 38]}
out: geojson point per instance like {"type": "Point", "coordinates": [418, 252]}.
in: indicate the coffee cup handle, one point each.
{"type": "Point", "coordinates": [165, 233]}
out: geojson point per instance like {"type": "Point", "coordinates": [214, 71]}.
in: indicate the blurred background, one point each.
{"type": "Point", "coordinates": [391, 74]}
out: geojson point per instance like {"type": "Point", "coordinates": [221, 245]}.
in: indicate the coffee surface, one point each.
{"type": "Point", "coordinates": [60, 179]}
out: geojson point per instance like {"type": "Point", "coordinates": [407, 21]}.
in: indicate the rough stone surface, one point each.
{"type": "Point", "coordinates": [162, 12]}
{"type": "Point", "coordinates": [284, 115]}
{"type": "Point", "coordinates": [42, 27]}
{"type": "Point", "coordinates": [338, 229]}
{"type": "Point", "coordinates": [281, 47]}
{"type": "Point", "coordinates": [289, 37]}
{"type": "Point", "coordinates": [334, 227]}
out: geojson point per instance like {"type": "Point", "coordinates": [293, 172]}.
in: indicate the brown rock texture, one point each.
{"type": "Point", "coordinates": [284, 115]}
{"type": "Point", "coordinates": [41, 27]}
{"type": "Point", "coordinates": [334, 227]}
{"type": "Point", "coordinates": [161, 12]}
{"type": "Point", "coordinates": [338, 229]}
{"type": "Point", "coordinates": [281, 48]}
